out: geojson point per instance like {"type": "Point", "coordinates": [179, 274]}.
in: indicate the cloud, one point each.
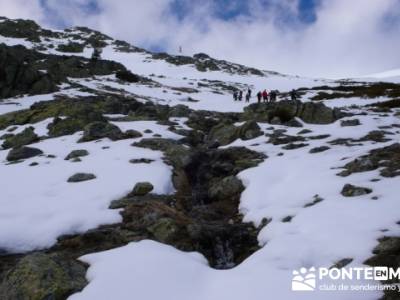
{"type": "Point", "coordinates": [345, 38]}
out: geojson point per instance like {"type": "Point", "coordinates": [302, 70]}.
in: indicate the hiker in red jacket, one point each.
{"type": "Point", "coordinates": [265, 96]}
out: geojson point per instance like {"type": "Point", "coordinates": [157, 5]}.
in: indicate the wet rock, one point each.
{"type": "Point", "coordinates": [142, 189]}
{"type": "Point", "coordinates": [26, 137]}
{"type": "Point", "coordinates": [23, 153]}
{"type": "Point", "coordinates": [354, 191]}
{"type": "Point", "coordinates": [277, 138]}
{"type": "Point", "coordinates": [76, 154]}
{"type": "Point", "coordinates": [42, 276]}
{"type": "Point", "coordinates": [98, 130]}
{"type": "Point", "coordinates": [352, 122]}
{"type": "Point", "coordinates": [319, 149]}
{"type": "Point", "coordinates": [80, 177]}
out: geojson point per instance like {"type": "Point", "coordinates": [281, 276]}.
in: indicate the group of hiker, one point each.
{"type": "Point", "coordinates": [238, 95]}
{"type": "Point", "coordinates": [262, 96]}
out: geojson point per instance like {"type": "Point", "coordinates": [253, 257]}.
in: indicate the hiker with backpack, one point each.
{"type": "Point", "coordinates": [259, 97]}
{"type": "Point", "coordinates": [240, 95]}
{"type": "Point", "coordinates": [293, 95]}
{"type": "Point", "coordinates": [272, 95]}
{"type": "Point", "coordinates": [248, 95]}
{"type": "Point", "coordinates": [265, 96]}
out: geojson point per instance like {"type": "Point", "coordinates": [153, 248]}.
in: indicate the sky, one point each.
{"type": "Point", "coordinates": [316, 38]}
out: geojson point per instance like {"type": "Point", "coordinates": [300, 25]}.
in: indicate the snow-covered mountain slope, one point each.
{"type": "Point", "coordinates": [143, 166]}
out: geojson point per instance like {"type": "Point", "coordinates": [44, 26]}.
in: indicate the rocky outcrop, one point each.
{"type": "Point", "coordinates": [26, 137]}
{"type": "Point", "coordinates": [24, 71]}
{"type": "Point", "coordinates": [285, 111]}
{"type": "Point", "coordinates": [43, 276]}
{"type": "Point", "coordinates": [386, 158]}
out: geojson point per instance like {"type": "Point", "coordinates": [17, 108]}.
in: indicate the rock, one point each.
{"type": "Point", "coordinates": [354, 191]}
{"type": "Point", "coordinates": [353, 122]}
{"type": "Point", "coordinates": [26, 137]}
{"type": "Point", "coordinates": [386, 158]}
{"type": "Point", "coordinates": [141, 161]}
{"type": "Point", "coordinates": [99, 130]}
{"type": "Point", "coordinates": [249, 131]}
{"type": "Point", "coordinates": [317, 199]}
{"type": "Point", "coordinates": [71, 47]}
{"type": "Point", "coordinates": [164, 230]}
{"type": "Point", "coordinates": [293, 146]}
{"type": "Point", "coordinates": [309, 112]}
{"type": "Point", "coordinates": [76, 154]}
{"type": "Point", "coordinates": [142, 189]}
{"type": "Point", "coordinates": [304, 131]}
{"type": "Point", "coordinates": [319, 149]}
{"type": "Point", "coordinates": [127, 76]}
{"type": "Point", "coordinates": [180, 111]}
{"type": "Point", "coordinates": [79, 177]}
{"type": "Point", "coordinates": [42, 276]}
{"type": "Point", "coordinates": [23, 153]}
{"type": "Point", "coordinates": [276, 121]}
{"type": "Point", "coordinates": [132, 134]}
{"type": "Point", "coordinates": [67, 126]}
{"type": "Point", "coordinates": [226, 188]}
{"type": "Point", "coordinates": [341, 263]}
{"type": "Point", "coordinates": [294, 123]}
{"type": "Point", "coordinates": [223, 133]}
{"type": "Point", "coordinates": [287, 219]}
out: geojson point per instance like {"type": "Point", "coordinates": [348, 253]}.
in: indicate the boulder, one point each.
{"type": "Point", "coordinates": [354, 191]}
{"type": "Point", "coordinates": [41, 276]}
{"type": "Point", "coordinates": [79, 177]}
{"type": "Point", "coordinates": [249, 131]}
{"type": "Point", "coordinates": [142, 189]}
{"type": "Point", "coordinates": [223, 133]}
{"type": "Point", "coordinates": [28, 136]}
{"type": "Point", "coordinates": [23, 153]}
{"type": "Point", "coordinates": [98, 130]}
{"type": "Point", "coordinates": [347, 123]}
{"type": "Point", "coordinates": [76, 154]}
{"type": "Point", "coordinates": [226, 188]}
{"type": "Point", "coordinates": [164, 230]}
